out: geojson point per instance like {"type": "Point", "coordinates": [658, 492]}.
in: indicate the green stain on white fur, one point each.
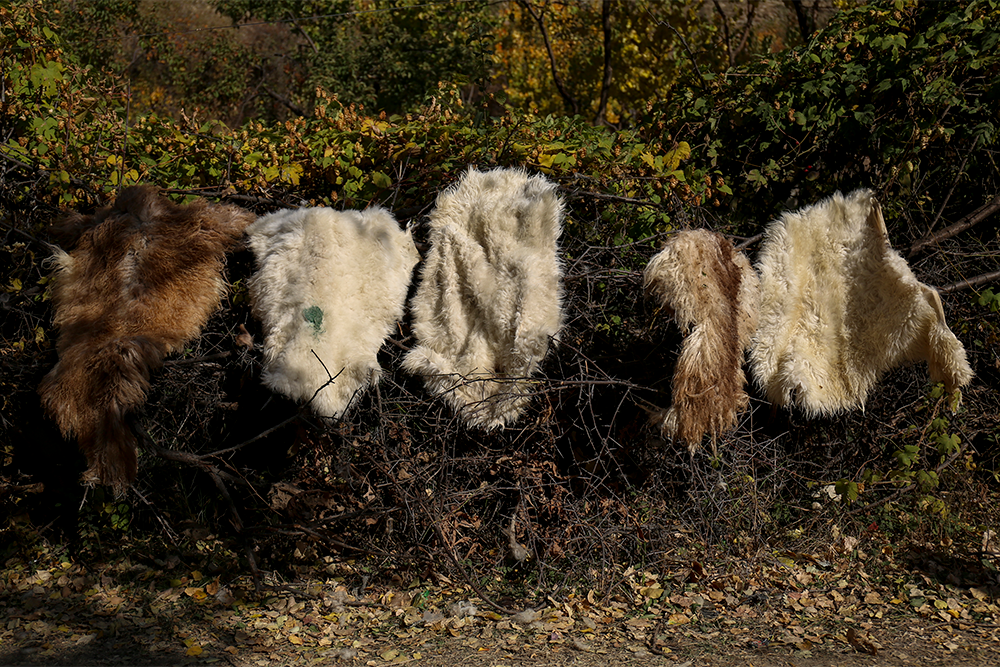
{"type": "Point", "coordinates": [314, 316]}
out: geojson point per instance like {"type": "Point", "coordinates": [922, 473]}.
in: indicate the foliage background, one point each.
{"type": "Point", "coordinates": [352, 111]}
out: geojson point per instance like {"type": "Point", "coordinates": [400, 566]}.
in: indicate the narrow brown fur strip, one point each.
{"type": "Point", "coordinates": [712, 292]}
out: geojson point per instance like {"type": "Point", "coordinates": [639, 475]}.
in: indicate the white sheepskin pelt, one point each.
{"type": "Point", "coordinates": [839, 307]}
{"type": "Point", "coordinates": [713, 294]}
{"type": "Point", "coordinates": [490, 295]}
{"type": "Point", "coordinates": [328, 289]}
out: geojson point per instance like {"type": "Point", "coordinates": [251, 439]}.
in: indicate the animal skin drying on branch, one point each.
{"type": "Point", "coordinates": [712, 292]}
{"type": "Point", "coordinates": [490, 295]}
{"type": "Point", "coordinates": [141, 282]}
{"type": "Point", "coordinates": [840, 307]}
{"type": "Point", "coordinates": [329, 288]}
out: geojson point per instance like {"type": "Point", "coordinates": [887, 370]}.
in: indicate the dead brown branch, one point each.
{"type": "Point", "coordinates": [968, 283]}
{"type": "Point", "coordinates": [965, 223]}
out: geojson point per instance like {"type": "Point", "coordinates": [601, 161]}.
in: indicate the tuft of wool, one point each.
{"type": "Point", "coordinates": [840, 307]}
{"type": "Point", "coordinates": [141, 282]}
{"type": "Point", "coordinates": [329, 287]}
{"type": "Point", "coordinates": [490, 294]}
{"type": "Point", "coordinates": [713, 293]}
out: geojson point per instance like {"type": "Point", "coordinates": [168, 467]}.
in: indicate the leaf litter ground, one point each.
{"type": "Point", "coordinates": [196, 607]}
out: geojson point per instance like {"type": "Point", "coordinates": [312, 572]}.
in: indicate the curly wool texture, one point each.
{"type": "Point", "coordinates": [490, 295]}
{"type": "Point", "coordinates": [713, 293]}
{"type": "Point", "coordinates": [328, 289]}
{"type": "Point", "coordinates": [142, 281]}
{"type": "Point", "coordinates": [840, 307]}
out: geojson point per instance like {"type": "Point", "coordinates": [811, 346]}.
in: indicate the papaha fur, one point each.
{"type": "Point", "coordinates": [713, 294]}
{"type": "Point", "coordinates": [490, 295]}
{"type": "Point", "coordinates": [328, 289]}
{"type": "Point", "coordinates": [840, 307]}
{"type": "Point", "coordinates": [142, 280]}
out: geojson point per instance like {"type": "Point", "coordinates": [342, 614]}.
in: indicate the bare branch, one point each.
{"type": "Point", "coordinates": [971, 282]}
{"type": "Point", "coordinates": [602, 108]}
{"type": "Point", "coordinates": [947, 198]}
{"type": "Point", "coordinates": [967, 222]}
{"type": "Point", "coordinates": [571, 103]}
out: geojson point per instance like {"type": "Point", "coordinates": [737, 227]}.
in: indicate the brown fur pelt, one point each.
{"type": "Point", "coordinates": [840, 307]}
{"type": "Point", "coordinates": [712, 292]}
{"type": "Point", "coordinates": [142, 281]}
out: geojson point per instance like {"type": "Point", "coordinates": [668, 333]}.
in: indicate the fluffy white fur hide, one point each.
{"type": "Point", "coordinates": [328, 288]}
{"type": "Point", "coordinates": [839, 307]}
{"type": "Point", "coordinates": [713, 293]}
{"type": "Point", "coordinates": [490, 296]}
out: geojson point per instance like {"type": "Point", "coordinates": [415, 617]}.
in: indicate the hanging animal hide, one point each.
{"type": "Point", "coordinates": [840, 307]}
{"type": "Point", "coordinates": [142, 281]}
{"type": "Point", "coordinates": [713, 293]}
{"type": "Point", "coordinates": [328, 289]}
{"type": "Point", "coordinates": [490, 296]}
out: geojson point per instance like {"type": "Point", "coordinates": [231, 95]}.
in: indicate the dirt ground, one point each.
{"type": "Point", "coordinates": [903, 644]}
{"type": "Point", "coordinates": [849, 608]}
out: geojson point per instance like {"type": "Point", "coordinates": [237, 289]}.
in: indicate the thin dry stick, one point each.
{"type": "Point", "coordinates": [954, 184]}
{"type": "Point", "coordinates": [971, 282]}
{"type": "Point", "coordinates": [750, 241]}
{"type": "Point", "coordinates": [602, 108]}
{"type": "Point", "coordinates": [569, 100]}
{"type": "Point", "coordinates": [968, 221]}
{"type": "Point", "coordinates": [217, 476]}
{"type": "Point", "coordinates": [454, 561]}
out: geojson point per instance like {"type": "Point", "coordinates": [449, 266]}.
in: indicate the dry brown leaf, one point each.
{"type": "Point", "coordinates": [860, 645]}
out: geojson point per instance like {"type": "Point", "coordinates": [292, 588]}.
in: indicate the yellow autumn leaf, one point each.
{"type": "Point", "coordinates": [295, 639]}
{"type": "Point", "coordinates": [195, 650]}
{"type": "Point", "coordinates": [652, 592]}
{"type": "Point", "coordinates": [674, 157]}
{"type": "Point", "coordinates": [196, 593]}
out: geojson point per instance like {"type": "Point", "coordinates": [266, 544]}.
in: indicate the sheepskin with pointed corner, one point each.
{"type": "Point", "coordinates": [141, 282]}
{"type": "Point", "coordinates": [712, 292]}
{"type": "Point", "coordinates": [490, 294]}
{"type": "Point", "coordinates": [329, 288]}
{"type": "Point", "coordinates": [840, 307]}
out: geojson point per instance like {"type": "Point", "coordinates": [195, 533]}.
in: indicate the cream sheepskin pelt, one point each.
{"type": "Point", "coordinates": [141, 281]}
{"type": "Point", "coordinates": [839, 307]}
{"type": "Point", "coordinates": [490, 295]}
{"type": "Point", "coordinates": [713, 293]}
{"type": "Point", "coordinates": [328, 289]}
